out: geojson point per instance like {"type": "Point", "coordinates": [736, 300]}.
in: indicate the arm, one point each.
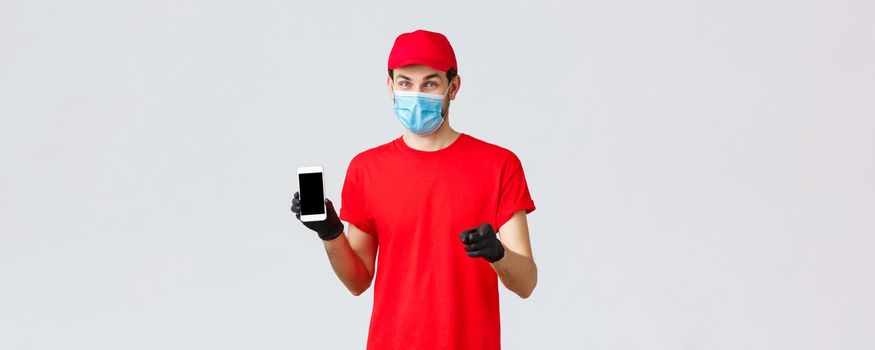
{"type": "Point", "coordinates": [352, 257]}
{"type": "Point", "coordinates": [517, 269]}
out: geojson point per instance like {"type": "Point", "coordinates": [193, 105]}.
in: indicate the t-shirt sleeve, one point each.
{"type": "Point", "coordinates": [354, 203]}
{"type": "Point", "coordinates": [513, 191]}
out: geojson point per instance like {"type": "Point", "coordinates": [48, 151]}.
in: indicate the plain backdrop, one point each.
{"type": "Point", "coordinates": [703, 171]}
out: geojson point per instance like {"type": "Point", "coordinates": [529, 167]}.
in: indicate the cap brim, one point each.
{"type": "Point", "coordinates": [418, 60]}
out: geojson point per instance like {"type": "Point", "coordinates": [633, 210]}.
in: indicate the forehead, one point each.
{"type": "Point", "coordinates": [418, 71]}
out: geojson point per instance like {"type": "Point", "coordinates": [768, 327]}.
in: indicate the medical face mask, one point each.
{"type": "Point", "coordinates": [419, 112]}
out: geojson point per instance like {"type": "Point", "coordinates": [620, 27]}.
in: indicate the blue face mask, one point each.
{"type": "Point", "coordinates": [419, 112]}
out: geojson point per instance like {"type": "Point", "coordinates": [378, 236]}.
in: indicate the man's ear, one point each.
{"type": "Point", "coordinates": [389, 86]}
{"type": "Point", "coordinates": [458, 83]}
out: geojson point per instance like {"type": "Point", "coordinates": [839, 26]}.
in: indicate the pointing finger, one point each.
{"type": "Point", "coordinates": [465, 235]}
{"type": "Point", "coordinates": [475, 236]}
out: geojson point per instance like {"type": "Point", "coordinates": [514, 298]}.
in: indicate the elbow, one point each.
{"type": "Point", "coordinates": [357, 286]}
{"type": "Point", "coordinates": [358, 291]}
{"type": "Point", "coordinates": [526, 293]}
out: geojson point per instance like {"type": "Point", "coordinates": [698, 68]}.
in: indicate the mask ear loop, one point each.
{"type": "Point", "coordinates": [446, 94]}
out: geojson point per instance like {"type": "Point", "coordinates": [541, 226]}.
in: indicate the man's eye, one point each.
{"type": "Point", "coordinates": [431, 84]}
{"type": "Point", "coordinates": [403, 83]}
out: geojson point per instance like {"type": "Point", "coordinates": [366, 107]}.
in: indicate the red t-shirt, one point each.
{"type": "Point", "coordinates": [428, 293]}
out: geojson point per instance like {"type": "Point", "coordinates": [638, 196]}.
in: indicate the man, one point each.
{"type": "Point", "coordinates": [431, 200]}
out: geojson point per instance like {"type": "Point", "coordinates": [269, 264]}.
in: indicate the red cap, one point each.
{"type": "Point", "coordinates": [422, 47]}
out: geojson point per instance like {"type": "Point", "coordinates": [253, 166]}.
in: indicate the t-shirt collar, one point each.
{"type": "Point", "coordinates": [406, 149]}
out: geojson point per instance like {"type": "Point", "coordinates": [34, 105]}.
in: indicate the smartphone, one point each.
{"type": "Point", "coordinates": [312, 191]}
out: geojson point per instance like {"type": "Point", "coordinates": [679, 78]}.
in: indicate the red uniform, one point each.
{"type": "Point", "coordinates": [428, 293]}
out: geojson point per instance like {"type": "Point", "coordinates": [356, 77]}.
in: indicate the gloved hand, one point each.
{"type": "Point", "coordinates": [327, 229]}
{"type": "Point", "coordinates": [481, 241]}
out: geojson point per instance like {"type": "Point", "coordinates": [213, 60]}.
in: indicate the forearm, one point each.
{"type": "Point", "coordinates": [517, 272]}
{"type": "Point", "coordinates": [347, 265]}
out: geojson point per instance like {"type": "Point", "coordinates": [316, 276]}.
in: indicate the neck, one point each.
{"type": "Point", "coordinates": [440, 139]}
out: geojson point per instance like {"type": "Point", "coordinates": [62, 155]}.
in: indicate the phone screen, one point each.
{"type": "Point", "coordinates": [312, 196]}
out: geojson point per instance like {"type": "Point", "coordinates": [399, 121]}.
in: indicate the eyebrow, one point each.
{"type": "Point", "coordinates": [427, 77]}
{"type": "Point", "coordinates": [433, 75]}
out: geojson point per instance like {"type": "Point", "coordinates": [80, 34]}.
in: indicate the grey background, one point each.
{"type": "Point", "coordinates": [702, 170]}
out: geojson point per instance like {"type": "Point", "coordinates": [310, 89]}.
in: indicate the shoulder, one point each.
{"type": "Point", "coordinates": [493, 151]}
{"type": "Point", "coordinates": [371, 154]}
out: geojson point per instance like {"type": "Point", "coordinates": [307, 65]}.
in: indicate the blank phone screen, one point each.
{"type": "Point", "coordinates": [312, 196]}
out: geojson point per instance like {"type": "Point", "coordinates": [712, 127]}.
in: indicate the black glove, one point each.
{"type": "Point", "coordinates": [481, 241]}
{"type": "Point", "coordinates": [328, 229]}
